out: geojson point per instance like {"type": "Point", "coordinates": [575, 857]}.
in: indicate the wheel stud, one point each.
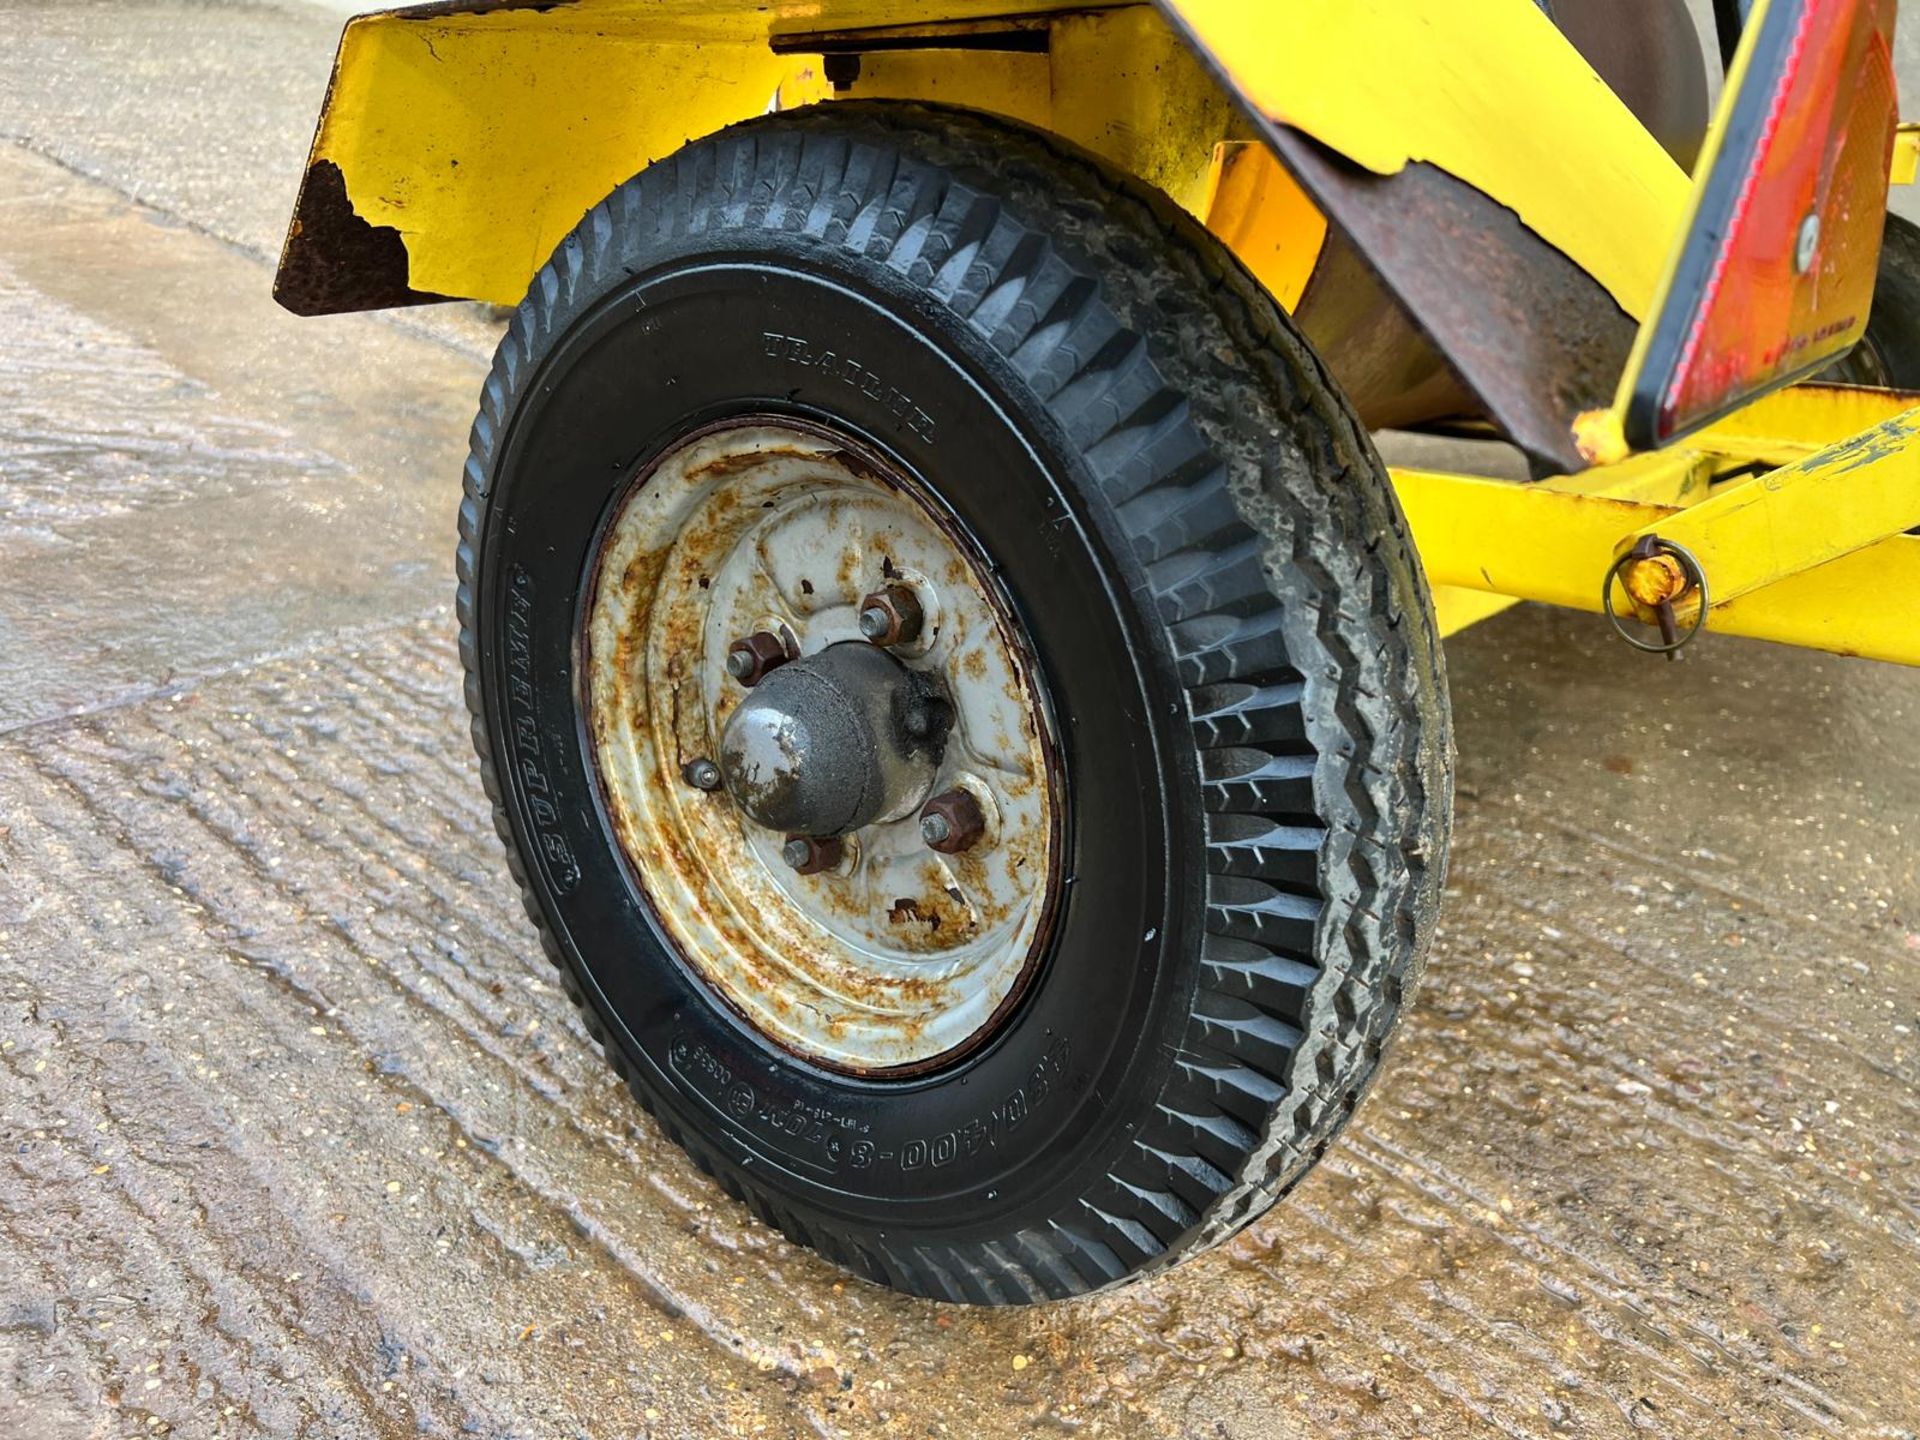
{"type": "Point", "coordinates": [952, 822]}
{"type": "Point", "coordinates": [809, 854]}
{"type": "Point", "coordinates": [702, 774]}
{"type": "Point", "coordinates": [749, 660]}
{"type": "Point", "coordinates": [891, 616]}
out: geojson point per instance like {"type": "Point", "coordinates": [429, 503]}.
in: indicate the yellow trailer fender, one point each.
{"type": "Point", "coordinates": [459, 143]}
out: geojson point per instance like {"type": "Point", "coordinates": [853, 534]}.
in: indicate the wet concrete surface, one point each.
{"type": "Point", "coordinates": [301, 1139]}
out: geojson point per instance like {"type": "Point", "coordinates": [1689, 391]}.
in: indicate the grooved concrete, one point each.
{"type": "Point", "coordinates": [302, 1139]}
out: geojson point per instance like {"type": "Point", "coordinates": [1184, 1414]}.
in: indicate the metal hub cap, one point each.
{"type": "Point", "coordinates": [899, 956]}
{"type": "Point", "coordinates": [836, 741]}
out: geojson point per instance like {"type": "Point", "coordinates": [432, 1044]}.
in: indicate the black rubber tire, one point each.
{"type": "Point", "coordinates": [1220, 587]}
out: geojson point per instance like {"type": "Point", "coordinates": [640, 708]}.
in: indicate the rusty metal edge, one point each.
{"type": "Point", "coordinates": [334, 261]}
{"type": "Point", "coordinates": [1514, 358]}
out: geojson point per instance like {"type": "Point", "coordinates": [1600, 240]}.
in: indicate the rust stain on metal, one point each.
{"type": "Point", "coordinates": [722, 467]}
{"type": "Point", "coordinates": [335, 261]}
{"type": "Point", "coordinates": [1510, 328]}
{"type": "Point", "coordinates": [727, 903]}
{"type": "Point", "coordinates": [1654, 580]}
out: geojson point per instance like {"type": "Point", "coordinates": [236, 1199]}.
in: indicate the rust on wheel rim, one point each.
{"type": "Point", "coordinates": [901, 958]}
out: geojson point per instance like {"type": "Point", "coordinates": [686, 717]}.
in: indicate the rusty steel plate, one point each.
{"type": "Point", "coordinates": [899, 958]}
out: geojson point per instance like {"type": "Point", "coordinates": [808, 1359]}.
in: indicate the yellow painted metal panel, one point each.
{"type": "Point", "coordinates": [1018, 86]}
{"type": "Point", "coordinates": [483, 140]}
{"type": "Point", "coordinates": [1259, 211]}
{"type": "Point", "coordinates": [1487, 90]}
{"type": "Point", "coordinates": [1119, 82]}
{"type": "Point", "coordinates": [1133, 92]}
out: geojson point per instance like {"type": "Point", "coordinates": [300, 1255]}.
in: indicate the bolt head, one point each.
{"type": "Point", "coordinates": [811, 854]}
{"type": "Point", "coordinates": [750, 659]}
{"type": "Point", "coordinates": [891, 616]}
{"type": "Point", "coordinates": [952, 822]}
{"type": "Point", "coordinates": [702, 774]}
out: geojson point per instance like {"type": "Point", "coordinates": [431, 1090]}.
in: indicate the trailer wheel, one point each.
{"type": "Point", "coordinates": [959, 697]}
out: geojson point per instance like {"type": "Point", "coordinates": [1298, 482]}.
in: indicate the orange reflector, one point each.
{"type": "Point", "coordinates": [1775, 275]}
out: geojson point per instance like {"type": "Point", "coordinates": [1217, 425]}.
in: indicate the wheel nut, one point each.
{"type": "Point", "coordinates": [952, 822]}
{"type": "Point", "coordinates": [749, 660]}
{"type": "Point", "coordinates": [809, 854]}
{"type": "Point", "coordinates": [702, 774]}
{"type": "Point", "coordinates": [891, 616]}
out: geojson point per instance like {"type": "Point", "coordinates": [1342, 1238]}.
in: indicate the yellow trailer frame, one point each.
{"type": "Point", "coordinates": [460, 143]}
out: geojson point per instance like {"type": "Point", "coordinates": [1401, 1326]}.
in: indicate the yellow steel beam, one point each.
{"type": "Point", "coordinates": [1795, 422]}
{"type": "Point", "coordinates": [1455, 608]}
{"type": "Point", "coordinates": [1754, 532]}
{"type": "Point", "coordinates": [1452, 537]}
{"type": "Point", "coordinates": [1866, 603]}
{"type": "Point", "coordinates": [1553, 542]}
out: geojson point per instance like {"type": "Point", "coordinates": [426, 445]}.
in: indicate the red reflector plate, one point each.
{"type": "Point", "coordinates": [1775, 275]}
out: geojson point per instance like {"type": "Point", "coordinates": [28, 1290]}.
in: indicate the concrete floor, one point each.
{"type": "Point", "coordinates": [302, 1140]}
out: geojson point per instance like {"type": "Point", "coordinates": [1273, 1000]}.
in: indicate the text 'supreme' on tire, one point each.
{"type": "Point", "coordinates": [959, 696]}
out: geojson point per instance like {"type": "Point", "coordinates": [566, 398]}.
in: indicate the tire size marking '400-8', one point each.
{"type": "Point", "coordinates": [818, 1137]}
{"type": "Point", "coordinates": [523, 721]}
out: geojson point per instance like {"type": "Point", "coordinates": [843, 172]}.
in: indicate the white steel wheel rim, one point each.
{"type": "Point", "coordinates": [901, 958]}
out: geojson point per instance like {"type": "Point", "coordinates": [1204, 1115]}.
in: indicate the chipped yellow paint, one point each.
{"type": "Point", "coordinates": [483, 138]}
{"type": "Point", "coordinates": [1840, 499]}
{"type": "Point", "coordinates": [1487, 90]}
